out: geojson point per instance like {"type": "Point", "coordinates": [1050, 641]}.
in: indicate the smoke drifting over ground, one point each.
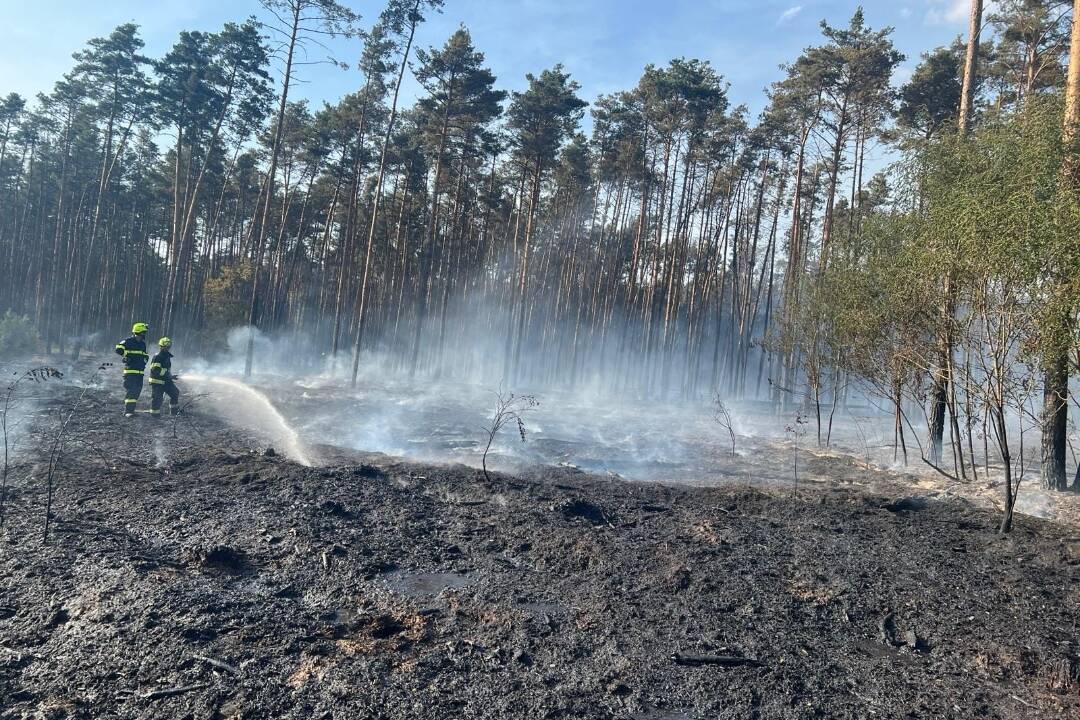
{"type": "Point", "coordinates": [24, 395]}
{"type": "Point", "coordinates": [300, 398]}
{"type": "Point", "coordinates": [439, 414]}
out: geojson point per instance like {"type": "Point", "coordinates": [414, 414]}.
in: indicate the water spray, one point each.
{"type": "Point", "coordinates": [247, 407]}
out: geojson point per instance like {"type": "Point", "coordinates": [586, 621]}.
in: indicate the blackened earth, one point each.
{"type": "Point", "coordinates": [199, 576]}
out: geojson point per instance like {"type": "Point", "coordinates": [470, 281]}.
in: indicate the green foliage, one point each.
{"type": "Point", "coordinates": [17, 335]}
{"type": "Point", "coordinates": [462, 96]}
{"type": "Point", "coordinates": [1032, 40]}
{"type": "Point", "coordinates": [681, 96]}
{"type": "Point", "coordinates": [399, 14]}
{"type": "Point", "coordinates": [111, 69]}
{"type": "Point", "coordinates": [210, 79]}
{"type": "Point", "coordinates": [929, 100]}
{"type": "Point", "coordinates": [882, 305]}
{"type": "Point", "coordinates": [225, 302]}
{"type": "Point", "coordinates": [1001, 219]}
{"type": "Point", "coordinates": [545, 114]}
{"type": "Point", "coordinates": [990, 219]}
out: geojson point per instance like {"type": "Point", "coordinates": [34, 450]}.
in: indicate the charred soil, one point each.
{"type": "Point", "coordinates": [199, 576]}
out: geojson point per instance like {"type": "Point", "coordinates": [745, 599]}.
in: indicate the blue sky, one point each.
{"type": "Point", "coordinates": [603, 43]}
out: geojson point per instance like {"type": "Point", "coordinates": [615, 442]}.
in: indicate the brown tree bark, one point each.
{"type": "Point", "coordinates": [362, 297]}
{"type": "Point", "coordinates": [1056, 365]}
{"type": "Point", "coordinates": [971, 60]}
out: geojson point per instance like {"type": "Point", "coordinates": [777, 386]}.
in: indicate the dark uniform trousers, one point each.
{"type": "Point", "coordinates": [133, 352]}
{"type": "Point", "coordinates": [133, 383]}
{"type": "Point", "coordinates": [158, 393]}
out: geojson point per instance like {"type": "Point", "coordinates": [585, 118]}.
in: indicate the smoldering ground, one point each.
{"type": "Point", "coordinates": [229, 583]}
{"type": "Point", "coordinates": [298, 400]}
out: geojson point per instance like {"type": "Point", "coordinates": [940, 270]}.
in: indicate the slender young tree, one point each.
{"type": "Point", "coordinates": [300, 23]}
{"type": "Point", "coordinates": [540, 119]}
{"type": "Point", "coordinates": [940, 384]}
{"type": "Point", "coordinates": [402, 18]}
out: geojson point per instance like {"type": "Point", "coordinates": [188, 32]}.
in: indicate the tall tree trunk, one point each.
{"type": "Point", "coordinates": [971, 60]}
{"type": "Point", "coordinates": [427, 259]}
{"type": "Point", "coordinates": [362, 298]}
{"type": "Point", "coordinates": [939, 391]}
{"type": "Point", "coordinates": [1056, 364]}
{"type": "Point", "coordinates": [260, 225]}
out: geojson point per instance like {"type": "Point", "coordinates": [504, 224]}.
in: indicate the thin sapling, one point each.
{"type": "Point", "coordinates": [508, 409]}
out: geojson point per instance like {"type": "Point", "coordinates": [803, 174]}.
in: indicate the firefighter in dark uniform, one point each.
{"type": "Point", "coordinates": [161, 380]}
{"type": "Point", "coordinates": [133, 351]}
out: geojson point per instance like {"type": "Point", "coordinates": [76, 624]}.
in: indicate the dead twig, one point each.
{"type": "Point", "coordinates": [173, 691]}
{"type": "Point", "coordinates": [219, 664]}
{"type": "Point", "coordinates": [56, 452]}
{"type": "Point", "coordinates": [1024, 702]}
{"type": "Point", "coordinates": [182, 412]}
{"type": "Point", "coordinates": [796, 430]}
{"type": "Point", "coordinates": [722, 416]}
{"type": "Point", "coordinates": [862, 438]}
{"type": "Point", "coordinates": [7, 404]}
{"type": "Point", "coordinates": [719, 660]}
{"type": "Point", "coordinates": [941, 470]}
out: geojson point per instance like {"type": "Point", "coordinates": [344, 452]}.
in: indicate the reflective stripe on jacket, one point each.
{"type": "Point", "coordinates": [161, 368]}
{"type": "Point", "coordinates": [133, 351]}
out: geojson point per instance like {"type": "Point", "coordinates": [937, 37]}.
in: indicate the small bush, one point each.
{"type": "Point", "coordinates": [17, 335]}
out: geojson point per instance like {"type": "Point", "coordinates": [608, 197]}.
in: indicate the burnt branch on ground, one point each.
{"type": "Point", "coordinates": [57, 446]}
{"type": "Point", "coordinates": [8, 404]}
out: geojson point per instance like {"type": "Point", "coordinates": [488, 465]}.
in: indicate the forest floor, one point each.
{"type": "Point", "coordinates": [200, 576]}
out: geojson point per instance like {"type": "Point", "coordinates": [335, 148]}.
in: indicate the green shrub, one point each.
{"type": "Point", "coordinates": [17, 335]}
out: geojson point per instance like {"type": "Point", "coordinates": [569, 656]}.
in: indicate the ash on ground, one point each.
{"type": "Point", "coordinates": [206, 578]}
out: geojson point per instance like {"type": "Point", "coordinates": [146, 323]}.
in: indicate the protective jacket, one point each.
{"type": "Point", "coordinates": [161, 368]}
{"type": "Point", "coordinates": [133, 351]}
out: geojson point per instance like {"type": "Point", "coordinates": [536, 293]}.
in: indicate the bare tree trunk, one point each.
{"type": "Point", "coordinates": [427, 260]}
{"type": "Point", "coordinates": [377, 201]}
{"type": "Point", "coordinates": [1056, 365]}
{"type": "Point", "coordinates": [970, 62]}
{"type": "Point", "coordinates": [260, 225]}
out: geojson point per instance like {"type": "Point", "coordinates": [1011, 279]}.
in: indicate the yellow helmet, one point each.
{"type": "Point", "coordinates": [139, 328]}
{"type": "Point", "coordinates": [164, 342]}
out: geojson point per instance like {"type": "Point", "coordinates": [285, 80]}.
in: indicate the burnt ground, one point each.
{"type": "Point", "coordinates": [207, 579]}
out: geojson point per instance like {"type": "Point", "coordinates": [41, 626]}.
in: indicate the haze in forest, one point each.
{"type": "Point", "coordinates": [636, 359]}
{"type": "Point", "coordinates": [889, 223]}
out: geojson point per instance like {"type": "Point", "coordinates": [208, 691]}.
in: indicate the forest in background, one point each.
{"type": "Point", "coordinates": [681, 250]}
